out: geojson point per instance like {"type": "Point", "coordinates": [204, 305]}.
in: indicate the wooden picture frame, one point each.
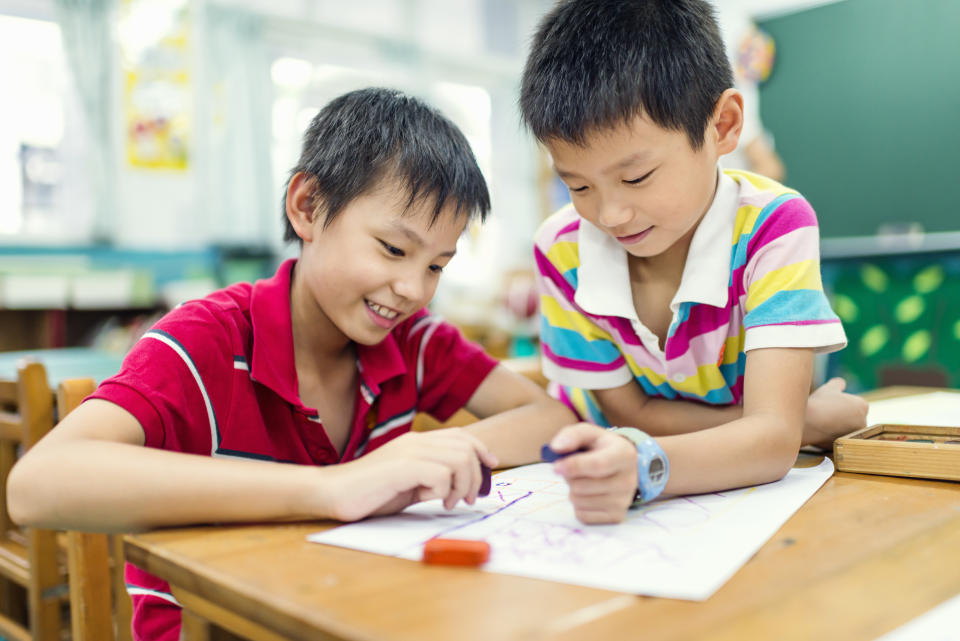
{"type": "Point", "coordinates": [921, 451]}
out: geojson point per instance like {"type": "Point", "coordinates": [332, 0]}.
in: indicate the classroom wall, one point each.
{"type": "Point", "coordinates": [863, 105]}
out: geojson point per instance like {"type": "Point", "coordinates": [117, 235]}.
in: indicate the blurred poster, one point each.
{"type": "Point", "coordinates": [156, 54]}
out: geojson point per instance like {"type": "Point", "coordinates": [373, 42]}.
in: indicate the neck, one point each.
{"type": "Point", "coordinates": [317, 341]}
{"type": "Point", "coordinates": [667, 266]}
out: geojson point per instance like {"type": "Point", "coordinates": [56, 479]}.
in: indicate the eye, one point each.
{"type": "Point", "coordinates": [637, 181]}
{"type": "Point", "coordinates": [577, 189]}
{"type": "Point", "coordinates": [436, 269]}
{"type": "Point", "coordinates": [390, 249]}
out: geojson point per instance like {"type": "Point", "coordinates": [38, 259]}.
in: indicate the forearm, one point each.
{"type": "Point", "coordinates": [747, 451]}
{"type": "Point", "coordinates": [109, 486]}
{"type": "Point", "coordinates": [662, 417]}
{"type": "Point", "coordinates": [516, 436]}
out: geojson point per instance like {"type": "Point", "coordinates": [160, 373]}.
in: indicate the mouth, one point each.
{"type": "Point", "coordinates": [634, 238]}
{"type": "Point", "coordinates": [381, 314]}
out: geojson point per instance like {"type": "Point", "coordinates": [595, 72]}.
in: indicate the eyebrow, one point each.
{"type": "Point", "coordinates": [414, 237]}
{"type": "Point", "coordinates": [626, 162]}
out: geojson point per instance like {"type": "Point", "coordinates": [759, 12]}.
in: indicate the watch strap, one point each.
{"type": "Point", "coordinates": [653, 467]}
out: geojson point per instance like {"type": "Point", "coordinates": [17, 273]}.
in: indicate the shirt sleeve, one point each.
{"type": "Point", "coordinates": [785, 303]}
{"type": "Point", "coordinates": [176, 381]}
{"type": "Point", "coordinates": [449, 368]}
{"type": "Point", "coordinates": [576, 350]}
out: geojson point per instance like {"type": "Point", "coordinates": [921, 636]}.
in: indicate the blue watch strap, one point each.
{"type": "Point", "coordinates": [653, 466]}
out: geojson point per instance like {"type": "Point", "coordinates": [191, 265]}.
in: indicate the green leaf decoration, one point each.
{"type": "Point", "coordinates": [916, 346]}
{"type": "Point", "coordinates": [909, 309]}
{"type": "Point", "coordinates": [874, 278]}
{"type": "Point", "coordinates": [929, 279]}
{"type": "Point", "coordinates": [874, 339]}
{"type": "Point", "coordinates": [845, 308]}
{"type": "Point", "coordinates": [956, 330]}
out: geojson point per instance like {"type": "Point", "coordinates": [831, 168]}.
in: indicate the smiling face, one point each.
{"type": "Point", "coordinates": [645, 185]}
{"type": "Point", "coordinates": [373, 266]}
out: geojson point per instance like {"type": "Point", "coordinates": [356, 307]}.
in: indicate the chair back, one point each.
{"type": "Point", "coordinates": [29, 557]}
{"type": "Point", "coordinates": [100, 608]}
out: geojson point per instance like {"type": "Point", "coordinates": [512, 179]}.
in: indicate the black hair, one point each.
{"type": "Point", "coordinates": [596, 64]}
{"type": "Point", "coordinates": [368, 135]}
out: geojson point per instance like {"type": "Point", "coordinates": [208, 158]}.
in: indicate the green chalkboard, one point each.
{"type": "Point", "coordinates": [864, 107]}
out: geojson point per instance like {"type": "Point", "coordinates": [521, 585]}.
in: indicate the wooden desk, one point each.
{"type": "Point", "coordinates": [863, 556]}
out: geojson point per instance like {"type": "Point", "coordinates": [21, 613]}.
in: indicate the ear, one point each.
{"type": "Point", "coordinates": [300, 205]}
{"type": "Point", "coordinates": [727, 120]}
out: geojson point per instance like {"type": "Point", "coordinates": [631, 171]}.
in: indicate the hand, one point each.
{"type": "Point", "coordinates": [603, 480]}
{"type": "Point", "coordinates": [831, 413]}
{"type": "Point", "coordinates": [418, 466]}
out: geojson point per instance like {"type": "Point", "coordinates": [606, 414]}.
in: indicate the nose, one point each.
{"type": "Point", "coordinates": [613, 213]}
{"type": "Point", "coordinates": [410, 284]}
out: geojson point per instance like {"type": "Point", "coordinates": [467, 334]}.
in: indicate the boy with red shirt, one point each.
{"type": "Point", "coordinates": [324, 365]}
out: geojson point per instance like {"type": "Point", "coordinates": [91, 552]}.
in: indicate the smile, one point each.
{"type": "Point", "coordinates": [380, 310]}
{"type": "Point", "coordinates": [634, 238]}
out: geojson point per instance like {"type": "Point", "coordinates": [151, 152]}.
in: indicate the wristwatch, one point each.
{"type": "Point", "coordinates": [653, 467]}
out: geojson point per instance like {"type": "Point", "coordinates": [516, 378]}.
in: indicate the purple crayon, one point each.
{"type": "Point", "coordinates": [485, 482]}
{"type": "Point", "coordinates": [547, 455]}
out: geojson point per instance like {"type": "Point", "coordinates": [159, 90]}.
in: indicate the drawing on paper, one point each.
{"type": "Point", "coordinates": [679, 547]}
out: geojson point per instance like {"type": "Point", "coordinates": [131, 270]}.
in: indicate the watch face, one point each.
{"type": "Point", "coordinates": [656, 470]}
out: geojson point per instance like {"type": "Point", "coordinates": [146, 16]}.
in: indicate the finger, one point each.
{"type": "Point", "coordinates": [575, 437]}
{"type": "Point", "coordinates": [601, 516]}
{"type": "Point", "coordinates": [599, 463]}
{"type": "Point", "coordinates": [465, 478]}
{"type": "Point", "coordinates": [835, 384]}
{"type": "Point", "coordinates": [620, 485]}
{"type": "Point", "coordinates": [433, 481]}
{"type": "Point", "coordinates": [480, 448]}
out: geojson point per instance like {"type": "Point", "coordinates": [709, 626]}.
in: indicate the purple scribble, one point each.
{"type": "Point", "coordinates": [690, 500]}
{"type": "Point", "coordinates": [484, 517]}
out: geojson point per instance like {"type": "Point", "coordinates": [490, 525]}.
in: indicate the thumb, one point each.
{"type": "Point", "coordinates": [575, 437]}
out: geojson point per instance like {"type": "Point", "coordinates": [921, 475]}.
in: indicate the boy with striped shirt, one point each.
{"type": "Point", "coordinates": [675, 297]}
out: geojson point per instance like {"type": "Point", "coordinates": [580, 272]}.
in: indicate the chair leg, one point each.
{"type": "Point", "coordinates": [194, 628]}
{"type": "Point", "coordinates": [122, 605]}
{"type": "Point", "coordinates": [43, 594]}
{"type": "Point", "coordinates": [91, 616]}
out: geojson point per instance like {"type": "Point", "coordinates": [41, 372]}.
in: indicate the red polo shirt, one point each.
{"type": "Point", "coordinates": [216, 376]}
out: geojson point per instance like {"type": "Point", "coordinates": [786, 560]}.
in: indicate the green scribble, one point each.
{"type": "Point", "coordinates": [909, 309]}
{"type": "Point", "coordinates": [916, 346]}
{"type": "Point", "coordinates": [929, 279]}
{"type": "Point", "coordinates": [874, 278]}
{"type": "Point", "coordinates": [846, 308]}
{"type": "Point", "coordinates": [874, 339]}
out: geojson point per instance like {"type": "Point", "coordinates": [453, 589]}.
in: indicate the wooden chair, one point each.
{"type": "Point", "coordinates": [29, 557]}
{"type": "Point", "coordinates": [100, 607]}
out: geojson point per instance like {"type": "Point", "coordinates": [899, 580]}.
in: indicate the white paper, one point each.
{"type": "Point", "coordinates": [939, 624]}
{"type": "Point", "coordinates": [681, 547]}
{"type": "Point", "coordinates": [937, 408]}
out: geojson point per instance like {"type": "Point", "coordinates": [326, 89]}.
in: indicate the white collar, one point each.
{"type": "Point", "coordinates": [603, 278]}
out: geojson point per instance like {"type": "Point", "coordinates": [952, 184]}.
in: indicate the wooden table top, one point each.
{"type": "Point", "coordinates": [863, 556]}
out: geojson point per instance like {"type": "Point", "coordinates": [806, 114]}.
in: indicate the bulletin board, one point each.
{"type": "Point", "coordinates": [863, 104]}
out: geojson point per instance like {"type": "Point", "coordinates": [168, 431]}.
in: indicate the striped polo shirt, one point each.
{"type": "Point", "coordinates": [751, 281]}
{"type": "Point", "coordinates": [216, 377]}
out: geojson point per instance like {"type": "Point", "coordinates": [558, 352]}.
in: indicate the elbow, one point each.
{"type": "Point", "coordinates": [783, 446]}
{"type": "Point", "coordinates": [21, 502]}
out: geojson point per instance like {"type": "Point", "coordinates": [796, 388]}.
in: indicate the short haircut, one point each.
{"type": "Point", "coordinates": [597, 64]}
{"type": "Point", "coordinates": [366, 136]}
